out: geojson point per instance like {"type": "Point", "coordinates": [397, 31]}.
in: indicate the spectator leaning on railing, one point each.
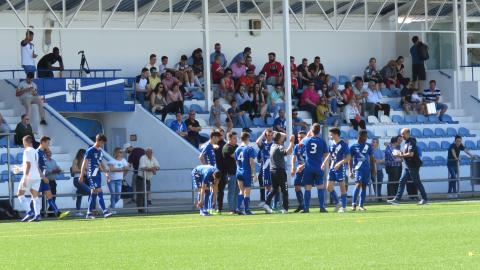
{"type": "Point", "coordinates": [45, 65]}
{"type": "Point", "coordinates": [28, 95]}
{"type": "Point", "coordinates": [453, 160]}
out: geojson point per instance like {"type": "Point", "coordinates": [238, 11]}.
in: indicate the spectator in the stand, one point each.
{"type": "Point", "coordinates": [175, 99]}
{"type": "Point", "coordinates": [193, 128]}
{"type": "Point", "coordinates": [453, 164]}
{"type": "Point", "coordinates": [45, 65]}
{"type": "Point", "coordinates": [374, 100]}
{"type": "Point", "coordinates": [134, 155]}
{"type": "Point", "coordinates": [218, 53]}
{"type": "Point", "coordinates": [276, 99]}
{"type": "Point", "coordinates": [401, 79]}
{"type": "Point", "coordinates": [149, 167]}
{"type": "Point", "coordinates": [27, 92]}
{"type": "Point", "coordinates": [247, 80]}
{"type": "Point", "coordinates": [297, 123]}
{"type": "Point", "coordinates": [245, 100]}
{"type": "Point", "coordinates": [259, 104]}
{"type": "Point", "coordinates": [273, 70]}
{"type": "Point", "coordinates": [389, 74]}
{"type": "Point", "coordinates": [410, 100]}
{"type": "Point", "coordinates": [352, 115]}
{"type": "Point", "coordinates": [261, 81]}
{"type": "Point", "coordinates": [419, 74]}
{"type": "Point", "coordinates": [196, 63]}
{"type": "Point", "coordinates": [242, 55]}
{"type": "Point", "coordinates": [51, 172]}
{"type": "Point", "coordinates": [82, 188]}
{"type": "Point", "coordinates": [158, 100]}
{"type": "Point", "coordinates": [184, 72]}
{"type": "Point", "coordinates": [433, 95]}
{"type": "Point", "coordinates": [168, 81]}
{"type": "Point", "coordinates": [228, 152]}
{"type": "Point", "coordinates": [23, 129]}
{"type": "Point", "coordinates": [238, 69]}
{"type": "Point", "coordinates": [118, 170]}
{"type": "Point", "coordinates": [393, 165]}
{"type": "Point", "coordinates": [348, 93]}
{"type": "Point", "coordinates": [152, 63]}
{"type": "Point", "coordinates": [379, 156]}
{"type": "Point", "coordinates": [249, 64]}
{"type": "Point", "coordinates": [303, 74]}
{"type": "Point", "coordinates": [237, 117]}
{"type": "Point", "coordinates": [322, 110]}
{"type": "Point", "coordinates": [361, 94]}
{"type": "Point", "coordinates": [163, 67]}
{"type": "Point", "coordinates": [335, 99]}
{"type": "Point", "coordinates": [317, 67]}
{"type": "Point", "coordinates": [309, 101]}
{"type": "Point", "coordinates": [217, 70]}
{"type": "Point", "coordinates": [227, 86]}
{"type": "Point", "coordinates": [4, 128]}
{"type": "Point", "coordinates": [280, 123]}
{"type": "Point", "coordinates": [178, 126]}
{"type": "Point", "coordinates": [293, 66]}
{"type": "Point", "coordinates": [370, 72]}
{"type": "Point", "coordinates": [215, 113]}
{"type": "Point", "coordinates": [142, 87]}
{"type": "Point", "coordinates": [154, 79]}
{"type": "Point", "coordinates": [28, 53]}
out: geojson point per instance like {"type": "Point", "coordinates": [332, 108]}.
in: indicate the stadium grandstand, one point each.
{"type": "Point", "coordinates": [229, 108]}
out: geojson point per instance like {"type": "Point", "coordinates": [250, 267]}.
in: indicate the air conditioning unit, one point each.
{"type": "Point", "coordinates": [255, 25]}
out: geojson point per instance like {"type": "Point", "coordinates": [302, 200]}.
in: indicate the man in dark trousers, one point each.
{"type": "Point", "coordinates": [278, 171]}
{"type": "Point", "coordinates": [220, 163]}
{"type": "Point", "coordinates": [230, 166]}
{"type": "Point", "coordinates": [134, 155]}
{"type": "Point", "coordinates": [412, 168]}
{"type": "Point", "coordinates": [45, 66]}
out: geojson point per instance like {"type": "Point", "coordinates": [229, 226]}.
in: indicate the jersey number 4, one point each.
{"type": "Point", "coordinates": [240, 156]}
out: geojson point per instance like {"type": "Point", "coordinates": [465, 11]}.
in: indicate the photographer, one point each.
{"type": "Point", "coordinates": [45, 66]}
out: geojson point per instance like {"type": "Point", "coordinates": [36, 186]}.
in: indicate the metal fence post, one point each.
{"type": "Point", "coordinates": [457, 177]}
{"type": "Point", "coordinates": [10, 180]}
{"type": "Point", "coordinates": [145, 205]}
{"type": "Point", "coordinates": [193, 196]}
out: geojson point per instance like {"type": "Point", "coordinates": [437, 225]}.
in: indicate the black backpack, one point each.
{"type": "Point", "coordinates": [422, 50]}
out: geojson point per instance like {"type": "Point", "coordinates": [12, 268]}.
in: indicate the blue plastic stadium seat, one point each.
{"type": "Point", "coordinates": [3, 142]}
{"type": "Point", "coordinates": [259, 134]}
{"type": "Point", "coordinates": [352, 134]}
{"type": "Point", "coordinates": [421, 119]}
{"type": "Point", "coordinates": [434, 146]}
{"type": "Point", "coordinates": [185, 109]}
{"type": "Point", "coordinates": [4, 159]}
{"type": "Point", "coordinates": [433, 119]}
{"type": "Point", "coordinates": [19, 158]}
{"type": "Point", "coordinates": [397, 119]}
{"type": "Point", "coordinates": [342, 79]}
{"type": "Point", "coordinates": [17, 177]}
{"type": "Point", "coordinates": [478, 144]}
{"type": "Point", "coordinates": [333, 79]}
{"type": "Point", "coordinates": [465, 132]}
{"type": "Point", "coordinates": [410, 119]}
{"type": "Point", "coordinates": [416, 132]}
{"type": "Point", "coordinates": [343, 134]}
{"type": "Point", "coordinates": [448, 119]}
{"type": "Point", "coordinates": [423, 146]}
{"type": "Point", "coordinates": [258, 122]}
{"type": "Point", "coordinates": [440, 161]}
{"type": "Point", "coordinates": [428, 133]}
{"type": "Point", "coordinates": [445, 145]}
{"type": "Point", "coordinates": [198, 95]}
{"type": "Point", "coordinates": [451, 132]}
{"type": "Point", "coordinates": [169, 121]}
{"type": "Point", "coordinates": [428, 161]}
{"type": "Point", "coordinates": [439, 132]}
{"type": "Point", "coordinates": [370, 134]}
{"type": "Point", "coordinates": [253, 137]}
{"type": "Point", "coordinates": [270, 121]}
{"type": "Point", "coordinates": [4, 176]}
{"type": "Point", "coordinates": [464, 160]}
{"type": "Point", "coordinates": [470, 144]}
{"type": "Point", "coordinates": [197, 108]}
{"type": "Point", "coordinates": [394, 105]}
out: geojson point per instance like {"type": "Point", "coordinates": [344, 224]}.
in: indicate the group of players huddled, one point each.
{"type": "Point", "coordinates": [311, 159]}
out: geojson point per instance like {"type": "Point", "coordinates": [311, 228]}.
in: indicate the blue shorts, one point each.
{"type": "Point", "coordinates": [440, 106]}
{"type": "Point", "coordinates": [44, 187]}
{"type": "Point", "coordinates": [95, 182]}
{"type": "Point", "coordinates": [336, 176]}
{"type": "Point", "coordinates": [298, 181]}
{"type": "Point", "coordinates": [197, 181]}
{"type": "Point", "coordinates": [312, 177]}
{"type": "Point", "coordinates": [362, 177]}
{"type": "Point", "coordinates": [246, 179]}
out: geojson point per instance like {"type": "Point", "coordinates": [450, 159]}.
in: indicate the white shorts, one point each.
{"type": "Point", "coordinates": [31, 184]}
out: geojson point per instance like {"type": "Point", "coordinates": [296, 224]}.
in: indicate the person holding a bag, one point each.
{"type": "Point", "coordinates": [352, 114]}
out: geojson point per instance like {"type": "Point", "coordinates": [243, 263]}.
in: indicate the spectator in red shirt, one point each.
{"type": "Point", "coordinates": [247, 80]}
{"type": "Point", "coordinates": [273, 70]}
{"type": "Point", "coordinates": [217, 70]}
{"type": "Point", "coordinates": [348, 93]}
{"type": "Point", "coordinates": [309, 101]}
{"type": "Point", "coordinates": [227, 90]}
{"type": "Point", "coordinates": [293, 66]}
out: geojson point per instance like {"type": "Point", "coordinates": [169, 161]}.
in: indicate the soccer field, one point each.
{"type": "Point", "coordinates": [436, 236]}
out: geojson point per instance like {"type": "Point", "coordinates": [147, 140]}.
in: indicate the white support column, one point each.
{"type": "Point", "coordinates": [458, 55]}
{"type": "Point", "coordinates": [206, 55]}
{"type": "Point", "coordinates": [286, 67]}
{"type": "Point", "coordinates": [27, 17]}
{"type": "Point", "coordinates": [464, 53]}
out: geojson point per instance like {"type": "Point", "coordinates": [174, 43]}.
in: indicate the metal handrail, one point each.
{"type": "Point", "coordinates": [102, 70]}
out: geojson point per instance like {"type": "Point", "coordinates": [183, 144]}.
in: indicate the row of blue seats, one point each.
{"type": "Point", "coordinates": [18, 177]}
{"type": "Point", "coordinates": [440, 132]}
{"type": "Point", "coordinates": [4, 143]}
{"type": "Point", "coordinates": [422, 119]}
{"type": "Point", "coordinates": [13, 160]}
{"type": "Point", "coordinates": [442, 161]}
{"type": "Point", "coordinates": [444, 145]}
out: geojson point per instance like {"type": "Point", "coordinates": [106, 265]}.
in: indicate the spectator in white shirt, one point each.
{"type": "Point", "coordinates": [153, 61]}
{"type": "Point", "coordinates": [142, 86]}
{"type": "Point", "coordinates": [374, 99]}
{"type": "Point", "coordinates": [149, 167]}
{"type": "Point", "coordinates": [352, 115]}
{"type": "Point", "coordinates": [118, 169]}
{"type": "Point", "coordinates": [28, 95]}
{"type": "Point", "coordinates": [27, 53]}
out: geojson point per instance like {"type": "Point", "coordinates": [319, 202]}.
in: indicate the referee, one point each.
{"type": "Point", "coordinates": [278, 170]}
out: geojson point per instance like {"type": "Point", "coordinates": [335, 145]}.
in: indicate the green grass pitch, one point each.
{"type": "Point", "coordinates": [436, 236]}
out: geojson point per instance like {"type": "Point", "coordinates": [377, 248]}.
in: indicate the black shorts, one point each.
{"type": "Point", "coordinates": [418, 72]}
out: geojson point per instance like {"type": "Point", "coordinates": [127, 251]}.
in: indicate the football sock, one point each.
{"type": "Point", "coordinates": [344, 200]}
{"type": "Point", "coordinates": [355, 195]}
{"type": "Point", "coordinates": [101, 201]}
{"type": "Point", "coordinates": [335, 196]}
{"type": "Point", "coordinates": [206, 199]}
{"type": "Point", "coordinates": [36, 206]}
{"type": "Point", "coordinates": [53, 205]}
{"type": "Point", "coordinates": [210, 200]}
{"type": "Point", "coordinates": [299, 197]}
{"type": "Point", "coordinates": [321, 198]}
{"type": "Point", "coordinates": [239, 201]}
{"type": "Point", "coordinates": [246, 202]}
{"type": "Point", "coordinates": [308, 194]}
{"type": "Point", "coordinates": [25, 203]}
{"type": "Point", "coordinates": [363, 194]}
{"type": "Point", "coordinates": [92, 201]}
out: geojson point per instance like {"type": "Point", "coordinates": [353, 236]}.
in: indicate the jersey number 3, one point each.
{"type": "Point", "coordinates": [313, 150]}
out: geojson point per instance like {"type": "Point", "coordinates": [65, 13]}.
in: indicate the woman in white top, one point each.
{"type": "Point", "coordinates": [118, 169]}
{"type": "Point", "coordinates": [352, 115]}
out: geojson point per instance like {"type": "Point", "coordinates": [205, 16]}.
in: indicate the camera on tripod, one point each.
{"type": "Point", "coordinates": [83, 64]}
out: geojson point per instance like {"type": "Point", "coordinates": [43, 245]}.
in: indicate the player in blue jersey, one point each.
{"type": "Point", "coordinates": [204, 177]}
{"type": "Point", "coordinates": [339, 156]}
{"type": "Point", "coordinates": [44, 184]}
{"type": "Point", "coordinates": [245, 157]}
{"type": "Point", "coordinates": [298, 159]}
{"type": "Point", "coordinates": [92, 167]}
{"type": "Point", "coordinates": [362, 167]}
{"type": "Point", "coordinates": [316, 150]}
{"type": "Point", "coordinates": [207, 157]}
